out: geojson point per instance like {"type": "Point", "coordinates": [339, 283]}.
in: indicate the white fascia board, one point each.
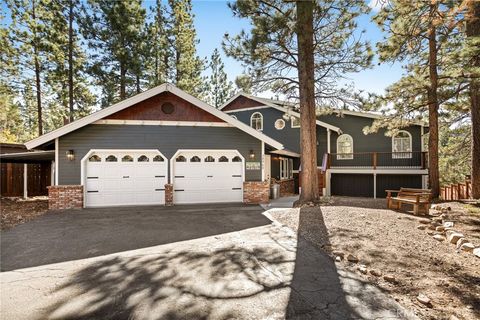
{"type": "Point", "coordinates": [141, 97]}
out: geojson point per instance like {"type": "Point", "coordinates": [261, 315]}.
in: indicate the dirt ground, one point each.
{"type": "Point", "coordinates": [390, 243]}
{"type": "Point", "coordinates": [17, 210]}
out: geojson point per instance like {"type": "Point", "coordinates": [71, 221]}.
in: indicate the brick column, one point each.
{"type": "Point", "coordinates": [65, 197]}
{"type": "Point", "coordinates": [255, 192]}
{"type": "Point", "coordinates": [169, 194]}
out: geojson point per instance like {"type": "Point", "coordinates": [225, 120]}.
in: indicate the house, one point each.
{"type": "Point", "coordinates": [350, 163]}
{"type": "Point", "coordinates": [162, 146]}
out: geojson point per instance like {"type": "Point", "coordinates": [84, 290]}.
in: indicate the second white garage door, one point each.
{"type": "Point", "coordinates": [201, 176]}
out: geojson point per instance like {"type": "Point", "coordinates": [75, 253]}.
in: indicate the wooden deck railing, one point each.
{"type": "Point", "coordinates": [377, 160]}
{"type": "Point", "coordinates": [456, 191]}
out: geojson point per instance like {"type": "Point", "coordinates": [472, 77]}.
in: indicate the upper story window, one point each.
{"type": "Point", "coordinates": [402, 145]}
{"type": "Point", "coordinates": [295, 122]}
{"type": "Point", "coordinates": [344, 147]}
{"type": "Point", "coordinates": [279, 124]}
{"type": "Point", "coordinates": [256, 121]}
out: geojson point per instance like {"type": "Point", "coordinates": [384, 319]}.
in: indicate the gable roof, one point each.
{"type": "Point", "coordinates": [166, 87]}
{"type": "Point", "coordinates": [270, 103]}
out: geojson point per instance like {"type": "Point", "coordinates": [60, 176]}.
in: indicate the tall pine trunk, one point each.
{"type": "Point", "coordinates": [123, 81]}
{"type": "Point", "coordinates": [433, 172]}
{"type": "Point", "coordinates": [38, 85]}
{"type": "Point", "coordinates": [308, 136]}
{"type": "Point", "coordinates": [70, 60]}
{"type": "Point", "coordinates": [473, 30]}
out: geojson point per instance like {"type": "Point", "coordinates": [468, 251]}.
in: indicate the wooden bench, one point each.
{"type": "Point", "coordinates": [419, 198]}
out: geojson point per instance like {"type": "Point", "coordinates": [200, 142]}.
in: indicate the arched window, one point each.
{"type": "Point", "coordinates": [111, 158]}
{"type": "Point", "coordinates": [223, 159]}
{"type": "Point", "coordinates": [237, 159]}
{"type": "Point", "coordinates": [195, 159]}
{"type": "Point", "coordinates": [158, 158]}
{"type": "Point", "coordinates": [143, 158]}
{"type": "Point", "coordinates": [181, 159]}
{"type": "Point", "coordinates": [127, 158]}
{"type": "Point", "coordinates": [256, 121]}
{"type": "Point", "coordinates": [94, 158]}
{"type": "Point", "coordinates": [209, 159]}
{"type": "Point", "coordinates": [402, 145]}
{"type": "Point", "coordinates": [344, 147]}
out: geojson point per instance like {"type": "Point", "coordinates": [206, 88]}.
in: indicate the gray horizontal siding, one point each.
{"type": "Point", "coordinates": [167, 139]}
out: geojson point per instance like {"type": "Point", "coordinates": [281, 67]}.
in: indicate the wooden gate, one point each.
{"type": "Point", "coordinates": [38, 176]}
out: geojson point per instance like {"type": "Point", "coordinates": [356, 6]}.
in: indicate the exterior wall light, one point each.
{"type": "Point", "coordinates": [252, 154]}
{"type": "Point", "coordinates": [70, 155]}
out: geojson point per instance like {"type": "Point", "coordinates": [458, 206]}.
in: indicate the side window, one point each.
{"type": "Point", "coordinates": [158, 158]}
{"type": "Point", "coordinates": [111, 158]}
{"type": "Point", "coordinates": [94, 158]}
{"type": "Point", "coordinates": [256, 121]}
{"type": "Point", "coordinates": [143, 158]}
{"type": "Point", "coordinates": [195, 159]}
{"type": "Point", "coordinates": [402, 145]}
{"type": "Point", "coordinates": [209, 159]}
{"type": "Point", "coordinates": [295, 122]}
{"type": "Point", "coordinates": [127, 158]}
{"type": "Point", "coordinates": [181, 159]}
{"type": "Point", "coordinates": [344, 147]}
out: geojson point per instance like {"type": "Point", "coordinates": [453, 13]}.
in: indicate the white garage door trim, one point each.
{"type": "Point", "coordinates": [206, 152]}
{"type": "Point", "coordinates": [83, 163]}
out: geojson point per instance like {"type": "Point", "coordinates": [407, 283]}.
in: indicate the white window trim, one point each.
{"type": "Point", "coordinates": [280, 121]}
{"type": "Point", "coordinates": [286, 168]}
{"type": "Point", "coordinates": [406, 154]}
{"type": "Point", "coordinates": [261, 121]}
{"type": "Point", "coordinates": [291, 122]}
{"type": "Point", "coordinates": [344, 156]}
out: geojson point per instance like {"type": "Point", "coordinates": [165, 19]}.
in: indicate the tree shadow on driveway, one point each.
{"type": "Point", "coordinates": [78, 234]}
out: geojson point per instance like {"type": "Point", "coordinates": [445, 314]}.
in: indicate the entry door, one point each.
{"type": "Point", "coordinates": [130, 177]}
{"type": "Point", "coordinates": [201, 176]}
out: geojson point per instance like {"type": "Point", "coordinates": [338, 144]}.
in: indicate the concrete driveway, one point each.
{"type": "Point", "coordinates": [184, 262]}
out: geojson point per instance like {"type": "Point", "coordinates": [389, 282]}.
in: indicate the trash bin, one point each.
{"type": "Point", "coordinates": [274, 191]}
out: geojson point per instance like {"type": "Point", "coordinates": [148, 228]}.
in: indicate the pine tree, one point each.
{"type": "Point", "coordinates": [244, 83]}
{"type": "Point", "coordinates": [188, 66]}
{"type": "Point", "coordinates": [219, 88]}
{"type": "Point", "coordinates": [113, 30]}
{"type": "Point", "coordinates": [159, 52]}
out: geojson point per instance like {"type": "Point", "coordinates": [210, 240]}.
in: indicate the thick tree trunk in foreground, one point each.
{"type": "Point", "coordinates": [433, 172]}
{"type": "Point", "coordinates": [473, 30]}
{"type": "Point", "coordinates": [308, 136]}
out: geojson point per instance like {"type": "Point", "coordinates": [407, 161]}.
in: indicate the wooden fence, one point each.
{"type": "Point", "coordinates": [38, 176]}
{"type": "Point", "coordinates": [456, 191]}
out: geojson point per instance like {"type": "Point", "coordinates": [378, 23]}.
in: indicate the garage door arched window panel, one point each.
{"type": "Point", "coordinates": [237, 159]}
{"type": "Point", "coordinates": [111, 158]}
{"type": "Point", "coordinates": [144, 158]}
{"type": "Point", "coordinates": [158, 158]}
{"type": "Point", "coordinates": [209, 159]}
{"type": "Point", "coordinates": [94, 158]}
{"type": "Point", "coordinates": [256, 121]}
{"type": "Point", "coordinates": [402, 145]}
{"type": "Point", "coordinates": [345, 147]}
{"type": "Point", "coordinates": [195, 159]}
{"type": "Point", "coordinates": [223, 159]}
{"type": "Point", "coordinates": [127, 158]}
{"type": "Point", "coordinates": [181, 159]}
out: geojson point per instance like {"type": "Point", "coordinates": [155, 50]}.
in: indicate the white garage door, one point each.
{"type": "Point", "coordinates": [129, 177]}
{"type": "Point", "coordinates": [201, 176]}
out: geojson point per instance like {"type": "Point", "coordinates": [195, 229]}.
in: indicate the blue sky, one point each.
{"type": "Point", "coordinates": [213, 18]}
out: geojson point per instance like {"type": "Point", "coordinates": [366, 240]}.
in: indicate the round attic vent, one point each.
{"type": "Point", "coordinates": [168, 108]}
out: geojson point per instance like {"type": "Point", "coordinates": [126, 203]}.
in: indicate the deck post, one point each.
{"type": "Point", "coordinates": [25, 181]}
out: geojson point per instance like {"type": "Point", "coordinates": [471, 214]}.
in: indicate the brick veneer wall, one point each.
{"type": "Point", "coordinates": [256, 192]}
{"type": "Point", "coordinates": [169, 194]}
{"type": "Point", "coordinates": [65, 197]}
{"type": "Point", "coordinates": [287, 187]}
